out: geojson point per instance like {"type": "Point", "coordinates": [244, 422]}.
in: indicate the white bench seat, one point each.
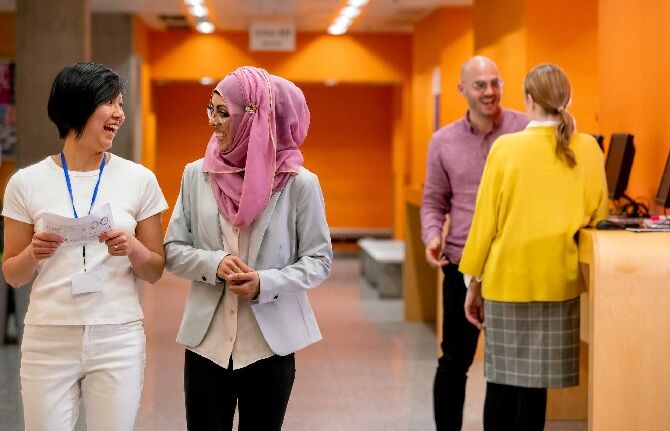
{"type": "Point", "coordinates": [381, 265]}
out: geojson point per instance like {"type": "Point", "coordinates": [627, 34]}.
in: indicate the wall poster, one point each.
{"type": "Point", "coordinates": [7, 109]}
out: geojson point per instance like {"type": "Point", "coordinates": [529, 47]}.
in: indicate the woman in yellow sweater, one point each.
{"type": "Point", "coordinates": [539, 187]}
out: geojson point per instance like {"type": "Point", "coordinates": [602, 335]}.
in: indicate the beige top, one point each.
{"type": "Point", "coordinates": [234, 330]}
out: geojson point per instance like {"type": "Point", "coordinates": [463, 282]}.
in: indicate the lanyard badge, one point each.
{"type": "Point", "coordinates": [95, 192]}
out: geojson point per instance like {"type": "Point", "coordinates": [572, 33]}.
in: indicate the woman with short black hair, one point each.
{"type": "Point", "coordinates": [84, 337]}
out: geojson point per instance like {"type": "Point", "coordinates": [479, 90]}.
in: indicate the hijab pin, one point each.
{"type": "Point", "coordinates": [250, 108]}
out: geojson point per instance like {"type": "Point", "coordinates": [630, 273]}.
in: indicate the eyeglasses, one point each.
{"type": "Point", "coordinates": [496, 84]}
{"type": "Point", "coordinates": [213, 114]}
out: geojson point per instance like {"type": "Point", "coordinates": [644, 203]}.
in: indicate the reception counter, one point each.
{"type": "Point", "coordinates": [626, 323]}
{"type": "Point", "coordinates": [625, 349]}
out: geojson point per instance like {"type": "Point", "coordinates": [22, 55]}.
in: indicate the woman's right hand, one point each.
{"type": "Point", "coordinates": [44, 244]}
{"type": "Point", "coordinates": [230, 265]}
{"type": "Point", "coordinates": [474, 304]}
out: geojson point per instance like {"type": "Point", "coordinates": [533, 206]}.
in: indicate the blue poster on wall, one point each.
{"type": "Point", "coordinates": [7, 109]}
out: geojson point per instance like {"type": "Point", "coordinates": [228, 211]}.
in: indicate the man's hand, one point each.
{"type": "Point", "coordinates": [474, 304]}
{"type": "Point", "coordinates": [245, 285]}
{"type": "Point", "coordinates": [230, 265]}
{"type": "Point", "coordinates": [434, 254]}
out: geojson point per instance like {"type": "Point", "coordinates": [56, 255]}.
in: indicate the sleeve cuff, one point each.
{"type": "Point", "coordinates": [210, 276]}
{"type": "Point", "coordinates": [467, 278]}
{"type": "Point", "coordinates": [268, 291]}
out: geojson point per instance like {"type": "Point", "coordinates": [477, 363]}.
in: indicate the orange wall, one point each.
{"type": "Point", "coordinates": [402, 147]}
{"type": "Point", "coordinates": [357, 58]}
{"type": "Point", "coordinates": [570, 40]}
{"type": "Point", "coordinates": [7, 36]}
{"type": "Point", "coordinates": [182, 133]}
{"type": "Point", "coordinates": [149, 119]}
{"type": "Point", "coordinates": [633, 42]}
{"type": "Point", "coordinates": [443, 39]}
{"type": "Point", "coordinates": [349, 145]}
{"type": "Point", "coordinates": [500, 34]}
{"type": "Point", "coordinates": [458, 37]}
{"type": "Point", "coordinates": [520, 34]}
{"type": "Point", "coordinates": [351, 59]}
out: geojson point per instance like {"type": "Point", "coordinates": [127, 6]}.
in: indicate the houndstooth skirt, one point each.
{"type": "Point", "coordinates": [532, 344]}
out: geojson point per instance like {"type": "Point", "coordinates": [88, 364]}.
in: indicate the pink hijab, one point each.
{"type": "Point", "coordinates": [269, 121]}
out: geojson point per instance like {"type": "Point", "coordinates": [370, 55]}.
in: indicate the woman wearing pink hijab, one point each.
{"type": "Point", "coordinates": [249, 230]}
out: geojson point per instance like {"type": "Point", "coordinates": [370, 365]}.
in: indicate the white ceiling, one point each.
{"type": "Point", "coordinates": [307, 15]}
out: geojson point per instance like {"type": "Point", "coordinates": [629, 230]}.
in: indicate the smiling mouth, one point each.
{"type": "Point", "coordinates": [112, 128]}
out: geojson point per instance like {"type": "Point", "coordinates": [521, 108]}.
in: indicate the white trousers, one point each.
{"type": "Point", "coordinates": [103, 364]}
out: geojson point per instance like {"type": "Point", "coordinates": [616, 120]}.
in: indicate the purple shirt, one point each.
{"type": "Point", "coordinates": [456, 158]}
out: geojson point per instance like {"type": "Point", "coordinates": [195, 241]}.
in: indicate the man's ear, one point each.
{"type": "Point", "coordinates": [459, 87]}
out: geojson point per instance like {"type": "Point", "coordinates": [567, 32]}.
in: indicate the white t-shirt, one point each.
{"type": "Point", "coordinates": [133, 194]}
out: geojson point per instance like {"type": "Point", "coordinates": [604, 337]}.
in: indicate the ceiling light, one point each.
{"type": "Point", "coordinates": [337, 30]}
{"type": "Point", "coordinates": [205, 27]}
{"type": "Point", "coordinates": [207, 80]}
{"type": "Point", "coordinates": [198, 11]}
{"type": "Point", "coordinates": [357, 3]}
{"type": "Point", "coordinates": [350, 12]}
{"type": "Point", "coordinates": [342, 21]}
{"type": "Point", "coordinates": [194, 2]}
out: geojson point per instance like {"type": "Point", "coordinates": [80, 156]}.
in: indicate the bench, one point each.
{"type": "Point", "coordinates": [353, 234]}
{"type": "Point", "coordinates": [381, 265]}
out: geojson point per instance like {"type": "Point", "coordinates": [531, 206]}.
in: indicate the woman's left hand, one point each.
{"type": "Point", "coordinates": [119, 243]}
{"type": "Point", "coordinates": [474, 305]}
{"type": "Point", "coordinates": [246, 285]}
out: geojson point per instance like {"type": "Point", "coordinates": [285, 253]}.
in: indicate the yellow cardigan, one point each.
{"type": "Point", "coordinates": [530, 206]}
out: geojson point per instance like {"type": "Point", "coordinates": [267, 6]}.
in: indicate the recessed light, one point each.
{"type": "Point", "coordinates": [198, 11]}
{"type": "Point", "coordinates": [342, 21]}
{"type": "Point", "coordinates": [205, 27]}
{"type": "Point", "coordinates": [350, 12]}
{"type": "Point", "coordinates": [337, 30]}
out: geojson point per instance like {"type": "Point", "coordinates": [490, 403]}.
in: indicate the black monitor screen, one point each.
{"type": "Point", "coordinates": [663, 195]}
{"type": "Point", "coordinates": [618, 164]}
{"type": "Point", "coordinates": [600, 139]}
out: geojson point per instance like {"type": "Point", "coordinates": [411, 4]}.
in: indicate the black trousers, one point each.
{"type": "Point", "coordinates": [260, 391]}
{"type": "Point", "coordinates": [514, 408]}
{"type": "Point", "coordinates": [459, 343]}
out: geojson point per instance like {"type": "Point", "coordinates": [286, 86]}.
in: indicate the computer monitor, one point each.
{"type": "Point", "coordinates": [663, 195]}
{"type": "Point", "coordinates": [600, 139]}
{"type": "Point", "coordinates": [618, 163]}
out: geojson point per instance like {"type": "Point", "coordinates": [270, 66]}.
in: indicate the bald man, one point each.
{"type": "Point", "coordinates": [456, 158]}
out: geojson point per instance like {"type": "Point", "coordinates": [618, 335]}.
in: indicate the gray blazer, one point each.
{"type": "Point", "coordinates": [289, 246]}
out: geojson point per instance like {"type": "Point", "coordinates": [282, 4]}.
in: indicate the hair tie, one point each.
{"type": "Point", "coordinates": [561, 109]}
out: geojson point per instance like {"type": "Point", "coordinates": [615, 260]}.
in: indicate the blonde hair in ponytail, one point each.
{"type": "Point", "coordinates": [549, 87]}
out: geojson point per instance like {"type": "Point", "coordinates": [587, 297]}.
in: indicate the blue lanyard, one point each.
{"type": "Point", "coordinates": [69, 184]}
{"type": "Point", "coordinates": [95, 192]}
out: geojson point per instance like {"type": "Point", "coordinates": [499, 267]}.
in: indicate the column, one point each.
{"type": "Point", "coordinates": [50, 35]}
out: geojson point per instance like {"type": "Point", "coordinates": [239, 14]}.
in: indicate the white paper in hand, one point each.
{"type": "Point", "coordinates": [81, 230]}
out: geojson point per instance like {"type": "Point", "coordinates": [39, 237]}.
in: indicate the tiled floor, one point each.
{"type": "Point", "coordinates": [372, 371]}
